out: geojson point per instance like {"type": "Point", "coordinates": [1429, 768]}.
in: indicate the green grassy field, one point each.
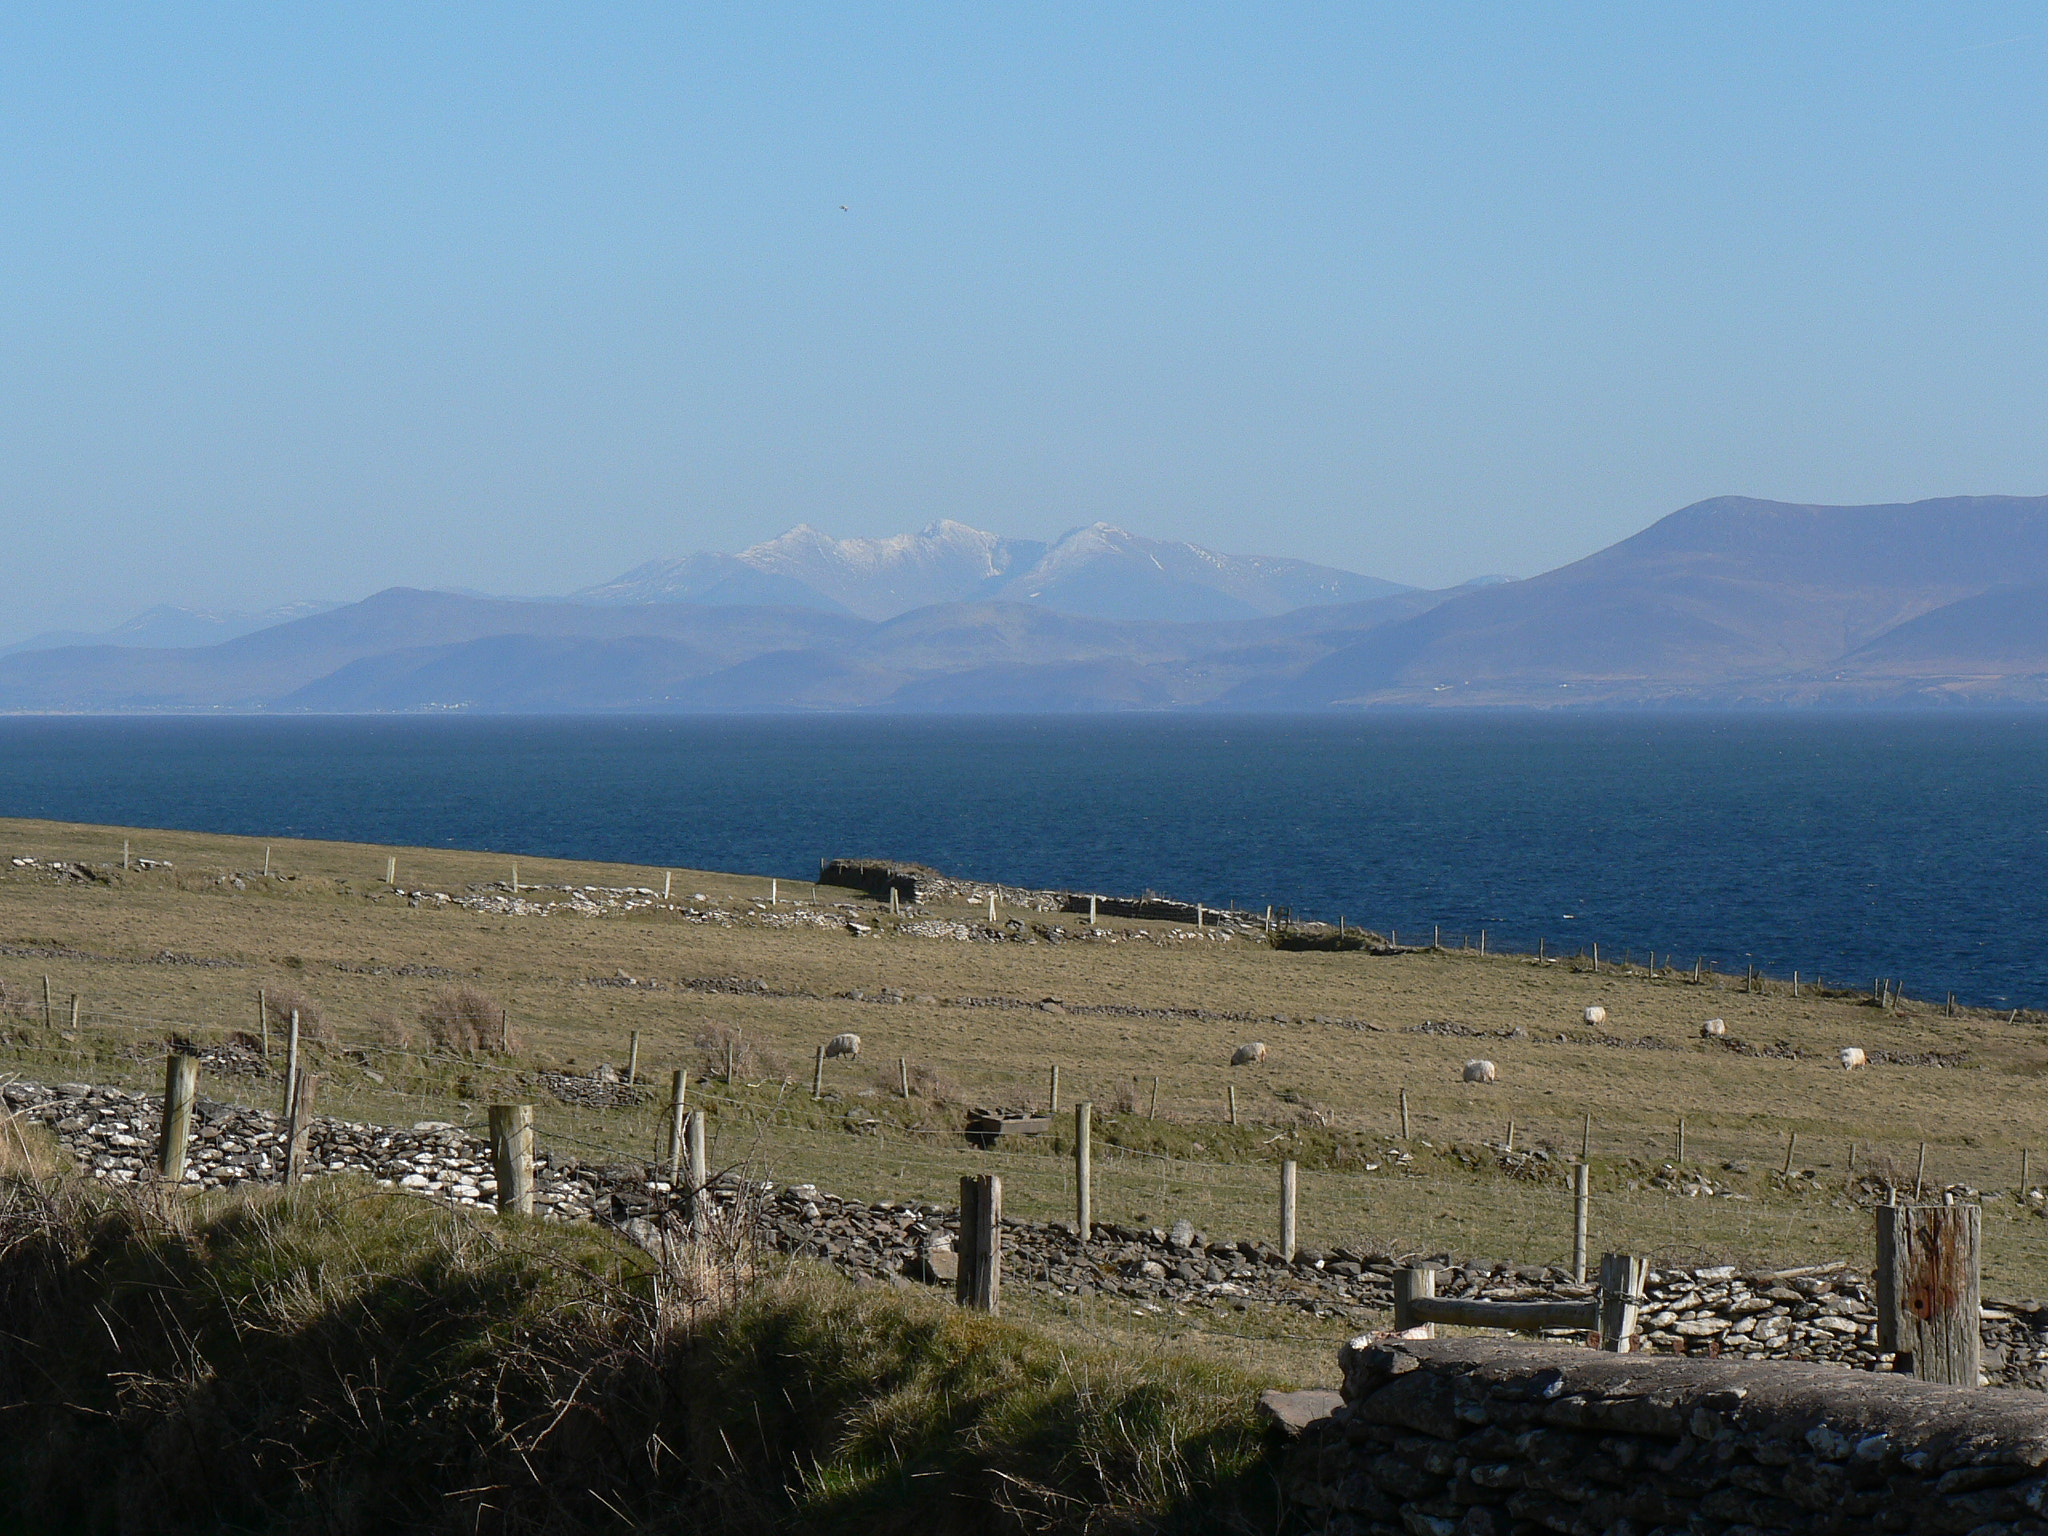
{"type": "Point", "coordinates": [333, 936]}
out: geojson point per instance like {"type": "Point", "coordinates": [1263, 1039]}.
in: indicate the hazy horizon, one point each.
{"type": "Point", "coordinates": [305, 306]}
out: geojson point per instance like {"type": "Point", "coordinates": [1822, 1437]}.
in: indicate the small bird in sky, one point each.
{"type": "Point", "coordinates": [842, 207]}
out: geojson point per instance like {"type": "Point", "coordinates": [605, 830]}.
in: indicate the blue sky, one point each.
{"type": "Point", "coordinates": [307, 301]}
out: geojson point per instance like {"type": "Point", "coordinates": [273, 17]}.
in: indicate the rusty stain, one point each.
{"type": "Point", "coordinates": [1936, 1281]}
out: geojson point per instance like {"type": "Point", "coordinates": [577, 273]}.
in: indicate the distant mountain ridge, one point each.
{"type": "Point", "coordinates": [1100, 571]}
{"type": "Point", "coordinates": [170, 625]}
{"type": "Point", "coordinates": [1730, 601]}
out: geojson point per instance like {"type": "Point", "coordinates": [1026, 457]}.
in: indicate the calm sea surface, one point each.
{"type": "Point", "coordinates": [1909, 846]}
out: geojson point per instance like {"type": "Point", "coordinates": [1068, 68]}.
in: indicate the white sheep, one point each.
{"type": "Point", "coordinates": [1713, 1029]}
{"type": "Point", "coordinates": [1245, 1055]}
{"type": "Point", "coordinates": [1596, 1015]}
{"type": "Point", "coordinates": [1853, 1057]}
{"type": "Point", "coordinates": [843, 1045]}
{"type": "Point", "coordinates": [1480, 1072]}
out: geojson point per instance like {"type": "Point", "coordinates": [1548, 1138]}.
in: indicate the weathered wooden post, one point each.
{"type": "Point", "coordinates": [633, 1060]}
{"type": "Point", "coordinates": [391, 871]}
{"type": "Point", "coordinates": [700, 1172]}
{"type": "Point", "coordinates": [1920, 1173]}
{"type": "Point", "coordinates": [903, 1074]}
{"type": "Point", "coordinates": [979, 1285]}
{"type": "Point", "coordinates": [1681, 1139]}
{"type": "Point", "coordinates": [263, 1020]}
{"type": "Point", "coordinates": [1154, 1115]}
{"type": "Point", "coordinates": [1404, 1114]}
{"type": "Point", "coordinates": [49, 1018]}
{"type": "Point", "coordinates": [1791, 1145]}
{"type": "Point", "coordinates": [1582, 1202]}
{"type": "Point", "coordinates": [512, 1156]}
{"type": "Point", "coordinates": [74, 1012]}
{"type": "Point", "coordinates": [1586, 1140]}
{"type": "Point", "coordinates": [1084, 1171]}
{"type": "Point", "coordinates": [1289, 1188]}
{"type": "Point", "coordinates": [1052, 1091]}
{"type": "Point", "coordinates": [678, 1094]}
{"type": "Point", "coordinates": [299, 1128]}
{"type": "Point", "coordinates": [731, 1048]}
{"type": "Point", "coordinates": [1621, 1299]}
{"type": "Point", "coordinates": [1411, 1285]}
{"type": "Point", "coordinates": [181, 1081]}
{"type": "Point", "coordinates": [1091, 911]}
{"type": "Point", "coordinates": [1233, 1103]}
{"type": "Point", "coordinates": [291, 1066]}
{"type": "Point", "coordinates": [818, 1076]}
{"type": "Point", "coordinates": [1510, 1145]}
{"type": "Point", "coordinates": [1928, 1296]}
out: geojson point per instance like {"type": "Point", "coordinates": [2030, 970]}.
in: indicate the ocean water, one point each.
{"type": "Point", "coordinates": [1911, 846]}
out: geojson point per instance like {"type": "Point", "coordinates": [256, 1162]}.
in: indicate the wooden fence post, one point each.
{"type": "Point", "coordinates": [1582, 1201]}
{"type": "Point", "coordinates": [1404, 1114]}
{"type": "Point", "coordinates": [700, 1171]}
{"type": "Point", "coordinates": [903, 1074]}
{"type": "Point", "coordinates": [1409, 1286]}
{"type": "Point", "coordinates": [181, 1081]}
{"type": "Point", "coordinates": [818, 1076]}
{"type": "Point", "coordinates": [512, 1156]}
{"type": "Point", "coordinates": [633, 1060]}
{"type": "Point", "coordinates": [1052, 1090]}
{"type": "Point", "coordinates": [1084, 1171]}
{"type": "Point", "coordinates": [299, 1128]}
{"type": "Point", "coordinates": [74, 1011]}
{"type": "Point", "coordinates": [1233, 1103]}
{"type": "Point", "coordinates": [1681, 1139]}
{"type": "Point", "coordinates": [1928, 1290]}
{"type": "Point", "coordinates": [291, 1066]}
{"type": "Point", "coordinates": [49, 1018]}
{"type": "Point", "coordinates": [678, 1095]}
{"type": "Point", "coordinates": [1791, 1144]}
{"type": "Point", "coordinates": [1586, 1141]}
{"type": "Point", "coordinates": [1290, 1184]}
{"type": "Point", "coordinates": [1155, 1102]}
{"type": "Point", "coordinates": [1621, 1298]}
{"type": "Point", "coordinates": [980, 1282]}
{"type": "Point", "coordinates": [263, 1020]}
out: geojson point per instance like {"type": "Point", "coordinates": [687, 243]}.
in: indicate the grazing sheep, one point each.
{"type": "Point", "coordinates": [1596, 1015]}
{"type": "Point", "coordinates": [1479, 1072]}
{"type": "Point", "coordinates": [843, 1045]}
{"type": "Point", "coordinates": [1713, 1028]}
{"type": "Point", "coordinates": [1852, 1056]}
{"type": "Point", "coordinates": [1245, 1055]}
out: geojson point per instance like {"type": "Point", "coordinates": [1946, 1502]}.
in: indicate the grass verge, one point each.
{"type": "Point", "coordinates": [343, 1360]}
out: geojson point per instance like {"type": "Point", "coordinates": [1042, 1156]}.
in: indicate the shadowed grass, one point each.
{"type": "Point", "coordinates": [344, 1360]}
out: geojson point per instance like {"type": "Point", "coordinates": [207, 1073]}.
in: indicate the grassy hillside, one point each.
{"type": "Point", "coordinates": [342, 1361]}
{"type": "Point", "coordinates": [1346, 1031]}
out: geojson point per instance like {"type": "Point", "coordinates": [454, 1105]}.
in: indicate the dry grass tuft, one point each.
{"type": "Point", "coordinates": [466, 1021]}
{"type": "Point", "coordinates": [280, 1003]}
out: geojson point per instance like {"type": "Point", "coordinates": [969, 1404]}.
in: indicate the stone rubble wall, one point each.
{"type": "Point", "coordinates": [1484, 1437]}
{"type": "Point", "coordinates": [1823, 1314]}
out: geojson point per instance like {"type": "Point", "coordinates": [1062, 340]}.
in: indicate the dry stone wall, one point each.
{"type": "Point", "coordinates": [1473, 1437]}
{"type": "Point", "coordinates": [1823, 1314]}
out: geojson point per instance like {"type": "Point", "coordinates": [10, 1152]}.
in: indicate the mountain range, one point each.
{"type": "Point", "coordinates": [1096, 572]}
{"type": "Point", "coordinates": [1727, 602]}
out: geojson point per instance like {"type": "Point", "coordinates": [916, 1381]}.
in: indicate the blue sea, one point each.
{"type": "Point", "coordinates": [1909, 846]}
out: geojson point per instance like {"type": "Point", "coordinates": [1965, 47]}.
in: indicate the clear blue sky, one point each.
{"type": "Point", "coordinates": [306, 301]}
